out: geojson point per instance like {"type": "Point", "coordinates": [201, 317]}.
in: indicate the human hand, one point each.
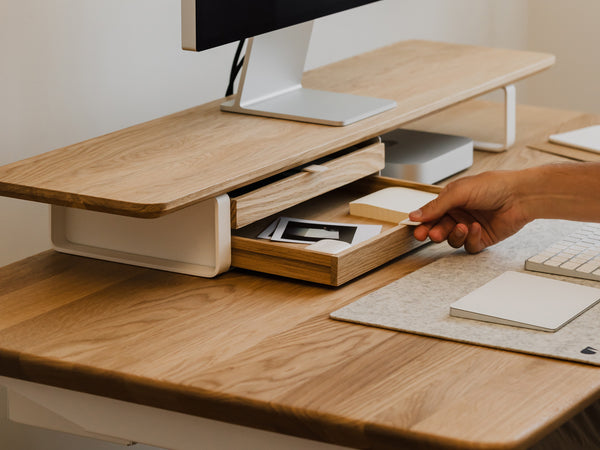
{"type": "Point", "coordinates": [476, 212]}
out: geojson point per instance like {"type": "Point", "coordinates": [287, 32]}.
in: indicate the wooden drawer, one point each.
{"type": "Point", "coordinates": [295, 261]}
{"type": "Point", "coordinates": [274, 195]}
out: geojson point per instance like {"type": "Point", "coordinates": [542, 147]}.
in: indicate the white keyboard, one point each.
{"type": "Point", "coordinates": [577, 255]}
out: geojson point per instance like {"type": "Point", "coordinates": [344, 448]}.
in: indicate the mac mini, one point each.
{"type": "Point", "coordinates": [425, 157]}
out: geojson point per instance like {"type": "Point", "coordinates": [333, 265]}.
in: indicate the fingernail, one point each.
{"type": "Point", "coordinates": [416, 215]}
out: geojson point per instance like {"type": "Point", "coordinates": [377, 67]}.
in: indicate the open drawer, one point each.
{"type": "Point", "coordinates": [295, 261]}
{"type": "Point", "coordinates": [277, 193]}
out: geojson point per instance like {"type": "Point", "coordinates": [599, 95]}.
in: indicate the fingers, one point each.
{"type": "Point", "coordinates": [457, 234]}
{"type": "Point", "coordinates": [451, 197]}
{"type": "Point", "coordinates": [436, 231]}
{"type": "Point", "coordinates": [442, 230]}
{"type": "Point", "coordinates": [473, 241]}
{"type": "Point", "coordinates": [422, 231]}
{"type": "Point", "coordinates": [445, 229]}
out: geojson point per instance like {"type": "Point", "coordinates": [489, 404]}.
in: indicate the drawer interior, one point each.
{"type": "Point", "coordinates": [296, 261]}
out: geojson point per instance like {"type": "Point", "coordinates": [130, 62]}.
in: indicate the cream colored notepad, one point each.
{"type": "Point", "coordinates": [587, 138]}
{"type": "Point", "coordinates": [390, 204]}
{"type": "Point", "coordinates": [524, 300]}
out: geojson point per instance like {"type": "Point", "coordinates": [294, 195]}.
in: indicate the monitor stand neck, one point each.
{"type": "Point", "coordinates": [271, 84]}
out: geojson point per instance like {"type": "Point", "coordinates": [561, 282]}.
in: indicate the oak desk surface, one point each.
{"type": "Point", "coordinates": [160, 166]}
{"type": "Point", "coordinates": [260, 351]}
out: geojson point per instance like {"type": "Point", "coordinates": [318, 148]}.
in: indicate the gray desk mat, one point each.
{"type": "Point", "coordinates": [419, 302]}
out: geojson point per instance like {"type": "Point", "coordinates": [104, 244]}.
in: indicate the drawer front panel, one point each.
{"type": "Point", "coordinates": [311, 182]}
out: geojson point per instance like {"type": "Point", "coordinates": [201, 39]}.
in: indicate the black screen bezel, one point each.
{"type": "Point", "coordinates": [220, 22]}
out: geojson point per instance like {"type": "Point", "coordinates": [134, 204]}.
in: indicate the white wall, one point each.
{"type": "Point", "coordinates": [74, 69]}
{"type": "Point", "coordinates": [570, 30]}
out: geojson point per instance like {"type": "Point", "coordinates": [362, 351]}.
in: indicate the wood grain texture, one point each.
{"type": "Point", "coordinates": [260, 351]}
{"type": "Point", "coordinates": [295, 261]}
{"type": "Point", "coordinates": [568, 152]}
{"type": "Point", "coordinates": [160, 166]}
{"type": "Point", "coordinates": [576, 154]}
{"type": "Point", "coordinates": [282, 194]}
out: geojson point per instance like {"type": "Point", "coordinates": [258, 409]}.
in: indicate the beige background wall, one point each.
{"type": "Point", "coordinates": [569, 29]}
{"type": "Point", "coordinates": [74, 69]}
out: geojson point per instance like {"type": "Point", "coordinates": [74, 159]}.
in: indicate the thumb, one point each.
{"type": "Point", "coordinates": [426, 213]}
{"type": "Point", "coordinates": [449, 198]}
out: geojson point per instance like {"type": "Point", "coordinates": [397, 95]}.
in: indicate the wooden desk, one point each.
{"type": "Point", "coordinates": [260, 351]}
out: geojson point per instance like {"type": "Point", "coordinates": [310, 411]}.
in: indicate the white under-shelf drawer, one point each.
{"type": "Point", "coordinates": [195, 240]}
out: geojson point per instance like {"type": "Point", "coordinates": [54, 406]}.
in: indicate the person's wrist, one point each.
{"type": "Point", "coordinates": [523, 186]}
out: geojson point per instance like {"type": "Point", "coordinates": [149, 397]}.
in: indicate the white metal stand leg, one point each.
{"type": "Point", "coordinates": [510, 119]}
{"type": "Point", "coordinates": [271, 84]}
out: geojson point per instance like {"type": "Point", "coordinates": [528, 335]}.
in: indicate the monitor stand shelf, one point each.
{"type": "Point", "coordinates": [157, 194]}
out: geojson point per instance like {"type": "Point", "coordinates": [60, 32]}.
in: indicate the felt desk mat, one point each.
{"type": "Point", "coordinates": [419, 302]}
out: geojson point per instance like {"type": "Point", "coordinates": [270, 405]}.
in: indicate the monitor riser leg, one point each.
{"type": "Point", "coordinates": [510, 120]}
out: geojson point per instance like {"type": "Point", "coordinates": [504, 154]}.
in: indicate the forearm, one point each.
{"type": "Point", "coordinates": [560, 191]}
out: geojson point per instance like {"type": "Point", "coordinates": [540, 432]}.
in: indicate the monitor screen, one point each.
{"type": "Point", "coordinates": [211, 23]}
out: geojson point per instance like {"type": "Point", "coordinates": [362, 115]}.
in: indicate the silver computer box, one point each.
{"type": "Point", "coordinates": [425, 157]}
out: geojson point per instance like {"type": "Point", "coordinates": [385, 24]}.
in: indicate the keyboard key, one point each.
{"type": "Point", "coordinates": [576, 255]}
{"type": "Point", "coordinates": [580, 260]}
{"type": "Point", "coordinates": [570, 265]}
{"type": "Point", "coordinates": [587, 267]}
{"type": "Point", "coordinates": [540, 258]}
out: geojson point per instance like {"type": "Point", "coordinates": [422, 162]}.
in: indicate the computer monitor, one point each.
{"type": "Point", "coordinates": [271, 77]}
